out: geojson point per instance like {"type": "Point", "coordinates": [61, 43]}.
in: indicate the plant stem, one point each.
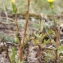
{"type": "Point", "coordinates": [40, 23]}
{"type": "Point", "coordinates": [39, 50]}
{"type": "Point", "coordinates": [39, 54]}
{"type": "Point", "coordinates": [57, 32]}
{"type": "Point", "coordinates": [17, 29]}
{"type": "Point", "coordinates": [57, 44]}
{"type": "Point", "coordinates": [25, 29]}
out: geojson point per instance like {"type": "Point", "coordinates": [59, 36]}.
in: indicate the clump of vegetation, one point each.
{"type": "Point", "coordinates": [43, 42]}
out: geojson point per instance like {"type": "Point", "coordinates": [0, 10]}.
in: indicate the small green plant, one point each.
{"type": "Point", "coordinates": [57, 32]}
{"type": "Point", "coordinates": [18, 39]}
{"type": "Point", "coordinates": [42, 38]}
{"type": "Point", "coordinates": [25, 29]}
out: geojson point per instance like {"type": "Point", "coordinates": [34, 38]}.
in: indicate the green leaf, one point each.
{"type": "Point", "coordinates": [60, 49]}
{"type": "Point", "coordinates": [17, 40]}
{"type": "Point", "coordinates": [13, 55]}
{"type": "Point", "coordinates": [20, 61]}
{"type": "Point", "coordinates": [45, 42]}
{"type": "Point", "coordinates": [27, 38]}
{"type": "Point", "coordinates": [17, 37]}
{"type": "Point", "coordinates": [43, 36]}
{"type": "Point", "coordinates": [51, 31]}
{"type": "Point", "coordinates": [36, 42]}
{"type": "Point", "coordinates": [37, 35]}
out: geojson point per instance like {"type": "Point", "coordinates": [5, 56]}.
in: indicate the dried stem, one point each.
{"type": "Point", "coordinates": [39, 54]}
{"type": "Point", "coordinates": [57, 32]}
{"type": "Point", "coordinates": [27, 17]}
{"type": "Point", "coordinates": [57, 44]}
{"type": "Point", "coordinates": [40, 23]}
{"type": "Point", "coordinates": [39, 50]}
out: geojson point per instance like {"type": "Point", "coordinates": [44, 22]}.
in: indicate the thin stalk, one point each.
{"type": "Point", "coordinates": [25, 29]}
{"type": "Point", "coordinates": [57, 32]}
{"type": "Point", "coordinates": [39, 50]}
{"type": "Point", "coordinates": [57, 45]}
{"type": "Point", "coordinates": [27, 18]}
{"type": "Point", "coordinates": [39, 54]}
{"type": "Point", "coordinates": [17, 29]}
{"type": "Point", "coordinates": [40, 24]}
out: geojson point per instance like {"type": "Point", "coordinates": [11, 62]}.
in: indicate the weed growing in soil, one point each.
{"type": "Point", "coordinates": [45, 41]}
